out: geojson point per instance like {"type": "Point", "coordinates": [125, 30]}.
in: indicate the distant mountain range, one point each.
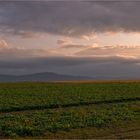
{"type": "Point", "coordinates": [41, 77]}
{"type": "Point", "coordinates": [50, 76]}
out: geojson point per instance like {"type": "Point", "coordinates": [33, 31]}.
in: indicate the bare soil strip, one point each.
{"type": "Point", "coordinates": [122, 130]}
{"type": "Point", "coordinates": [56, 106]}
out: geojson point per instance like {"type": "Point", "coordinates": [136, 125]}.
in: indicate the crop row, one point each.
{"type": "Point", "coordinates": [26, 96]}
{"type": "Point", "coordinates": [37, 123]}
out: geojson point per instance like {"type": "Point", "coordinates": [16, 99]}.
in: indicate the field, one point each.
{"type": "Point", "coordinates": [70, 110]}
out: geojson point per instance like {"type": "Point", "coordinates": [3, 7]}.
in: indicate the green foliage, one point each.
{"type": "Point", "coordinates": [32, 109]}
{"type": "Point", "coordinates": [26, 96]}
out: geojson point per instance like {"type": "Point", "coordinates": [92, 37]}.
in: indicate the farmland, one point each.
{"type": "Point", "coordinates": [70, 110]}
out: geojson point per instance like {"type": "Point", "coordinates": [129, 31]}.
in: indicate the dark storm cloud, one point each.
{"type": "Point", "coordinates": [95, 66]}
{"type": "Point", "coordinates": [69, 18]}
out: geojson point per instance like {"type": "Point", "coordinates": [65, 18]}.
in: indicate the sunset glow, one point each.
{"type": "Point", "coordinates": [59, 36]}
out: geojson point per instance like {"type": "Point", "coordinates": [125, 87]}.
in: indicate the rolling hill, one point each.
{"type": "Point", "coordinates": [41, 77]}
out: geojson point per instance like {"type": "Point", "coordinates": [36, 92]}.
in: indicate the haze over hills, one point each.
{"type": "Point", "coordinates": [50, 76]}
{"type": "Point", "coordinates": [45, 76]}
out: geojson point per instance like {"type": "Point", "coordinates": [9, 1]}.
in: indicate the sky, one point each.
{"type": "Point", "coordinates": [90, 38]}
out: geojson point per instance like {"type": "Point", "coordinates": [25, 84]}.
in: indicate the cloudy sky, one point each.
{"type": "Point", "coordinates": [94, 38]}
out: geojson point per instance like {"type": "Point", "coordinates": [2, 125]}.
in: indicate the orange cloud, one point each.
{"type": "Point", "coordinates": [3, 44]}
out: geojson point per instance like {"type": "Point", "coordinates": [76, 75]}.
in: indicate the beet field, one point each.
{"type": "Point", "coordinates": [70, 110]}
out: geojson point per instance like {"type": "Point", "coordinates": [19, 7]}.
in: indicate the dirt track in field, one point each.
{"type": "Point", "coordinates": [28, 108]}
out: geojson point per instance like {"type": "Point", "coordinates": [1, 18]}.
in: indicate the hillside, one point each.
{"type": "Point", "coordinates": [46, 76]}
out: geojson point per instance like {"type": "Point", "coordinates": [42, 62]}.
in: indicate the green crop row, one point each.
{"type": "Point", "coordinates": [26, 96]}
{"type": "Point", "coordinates": [37, 123]}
